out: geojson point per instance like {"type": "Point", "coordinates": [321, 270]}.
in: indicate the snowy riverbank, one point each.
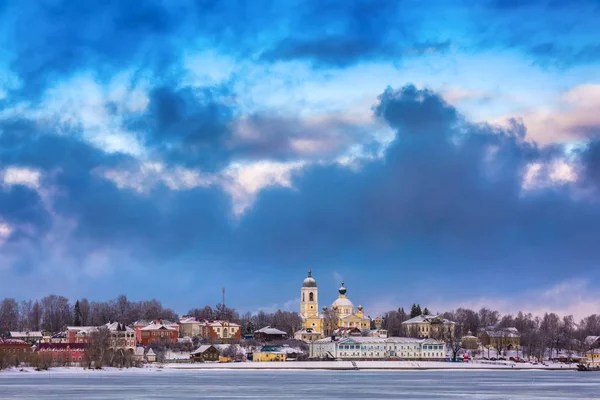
{"type": "Point", "coordinates": [372, 365]}
{"type": "Point", "coordinates": [303, 365]}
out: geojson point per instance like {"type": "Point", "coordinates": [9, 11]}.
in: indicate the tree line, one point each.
{"type": "Point", "coordinates": [53, 313]}
{"type": "Point", "coordinates": [541, 336]}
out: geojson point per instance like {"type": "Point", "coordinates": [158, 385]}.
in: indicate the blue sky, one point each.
{"type": "Point", "coordinates": [441, 152]}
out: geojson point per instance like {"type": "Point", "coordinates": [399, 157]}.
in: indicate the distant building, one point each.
{"type": "Point", "coordinates": [71, 353]}
{"type": "Point", "coordinates": [31, 337]}
{"type": "Point", "coordinates": [469, 342]}
{"type": "Point", "coordinates": [381, 333]}
{"type": "Point", "coordinates": [60, 337]}
{"type": "Point", "coordinates": [347, 332]}
{"type": "Point", "coordinates": [373, 348]}
{"type": "Point", "coordinates": [15, 347]}
{"type": "Point", "coordinates": [157, 332]}
{"type": "Point", "coordinates": [79, 334]}
{"type": "Point", "coordinates": [189, 327]}
{"type": "Point", "coordinates": [206, 352]}
{"type": "Point", "coordinates": [267, 334]}
{"type": "Point", "coordinates": [142, 323]}
{"type": "Point", "coordinates": [150, 356]}
{"type": "Point", "coordinates": [122, 337]}
{"type": "Point", "coordinates": [507, 338]}
{"type": "Point", "coordinates": [307, 335]}
{"type": "Point", "coordinates": [221, 331]}
{"type": "Point", "coordinates": [272, 353]}
{"type": "Point", "coordinates": [428, 326]}
{"type": "Point", "coordinates": [378, 322]}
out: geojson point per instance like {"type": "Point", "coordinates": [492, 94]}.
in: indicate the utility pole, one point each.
{"type": "Point", "coordinates": [223, 297]}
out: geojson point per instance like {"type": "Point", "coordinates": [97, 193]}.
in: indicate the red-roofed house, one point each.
{"type": "Point", "coordinates": [157, 332]}
{"type": "Point", "coordinates": [141, 324]}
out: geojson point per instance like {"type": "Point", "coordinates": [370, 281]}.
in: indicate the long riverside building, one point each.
{"type": "Point", "coordinates": [376, 348]}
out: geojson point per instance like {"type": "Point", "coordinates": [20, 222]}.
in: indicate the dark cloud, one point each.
{"type": "Point", "coordinates": [281, 138]}
{"type": "Point", "coordinates": [50, 39]}
{"type": "Point", "coordinates": [564, 37]}
{"type": "Point", "coordinates": [338, 34]}
{"type": "Point", "coordinates": [187, 126]}
{"type": "Point", "coordinates": [590, 157]}
{"type": "Point", "coordinates": [447, 196]}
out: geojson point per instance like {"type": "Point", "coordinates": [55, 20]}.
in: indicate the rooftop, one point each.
{"type": "Point", "coordinates": [26, 334]}
{"type": "Point", "coordinates": [271, 331]}
{"type": "Point", "coordinates": [375, 339]}
{"type": "Point", "coordinates": [13, 342]}
{"type": "Point", "coordinates": [432, 319]}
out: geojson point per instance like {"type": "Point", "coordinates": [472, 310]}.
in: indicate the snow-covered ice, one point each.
{"type": "Point", "coordinates": [153, 383]}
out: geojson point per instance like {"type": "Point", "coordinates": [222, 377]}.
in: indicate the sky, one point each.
{"type": "Point", "coordinates": [445, 153]}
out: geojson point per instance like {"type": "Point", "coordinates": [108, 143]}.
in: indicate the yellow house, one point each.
{"type": "Point", "coordinates": [428, 326]}
{"type": "Point", "coordinates": [593, 356]}
{"type": "Point", "coordinates": [266, 356]}
{"type": "Point", "coordinates": [469, 341]}
{"type": "Point", "coordinates": [508, 338]}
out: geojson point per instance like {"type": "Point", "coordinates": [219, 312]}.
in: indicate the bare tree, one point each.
{"type": "Point", "coordinates": [330, 321]}
{"type": "Point", "coordinates": [98, 347]}
{"type": "Point", "coordinates": [9, 315]}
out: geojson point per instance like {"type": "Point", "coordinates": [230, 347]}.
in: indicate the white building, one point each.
{"type": "Point", "coordinates": [376, 348]}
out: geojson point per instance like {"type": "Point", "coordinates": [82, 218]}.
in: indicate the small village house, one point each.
{"type": "Point", "coordinates": [307, 335]}
{"type": "Point", "coordinates": [206, 352]}
{"type": "Point", "coordinates": [150, 356]}
{"type": "Point", "coordinates": [268, 334]}
{"type": "Point", "coordinates": [269, 353]}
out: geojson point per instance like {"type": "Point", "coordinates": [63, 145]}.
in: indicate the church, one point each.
{"type": "Point", "coordinates": [342, 311]}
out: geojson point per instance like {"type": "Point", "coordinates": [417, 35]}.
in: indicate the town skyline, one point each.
{"type": "Point", "coordinates": [447, 155]}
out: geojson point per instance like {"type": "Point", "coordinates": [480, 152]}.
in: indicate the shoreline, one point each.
{"type": "Point", "coordinates": [366, 366]}
{"type": "Point", "coordinates": [297, 366]}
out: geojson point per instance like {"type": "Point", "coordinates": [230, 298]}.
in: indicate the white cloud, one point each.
{"type": "Point", "coordinates": [244, 181]}
{"type": "Point", "coordinates": [150, 174]}
{"type": "Point", "coordinates": [5, 231]}
{"type": "Point", "coordinates": [575, 297]}
{"type": "Point", "coordinates": [21, 176]}
{"type": "Point", "coordinates": [96, 109]}
{"type": "Point", "coordinates": [572, 117]}
{"type": "Point", "coordinates": [538, 175]}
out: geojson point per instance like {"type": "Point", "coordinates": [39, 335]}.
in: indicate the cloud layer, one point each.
{"type": "Point", "coordinates": [213, 144]}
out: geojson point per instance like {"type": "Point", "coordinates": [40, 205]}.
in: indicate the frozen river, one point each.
{"type": "Point", "coordinates": [170, 384]}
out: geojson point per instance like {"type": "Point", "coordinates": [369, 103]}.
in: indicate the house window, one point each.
{"type": "Point", "coordinates": [224, 332]}
{"type": "Point", "coordinates": [311, 296]}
